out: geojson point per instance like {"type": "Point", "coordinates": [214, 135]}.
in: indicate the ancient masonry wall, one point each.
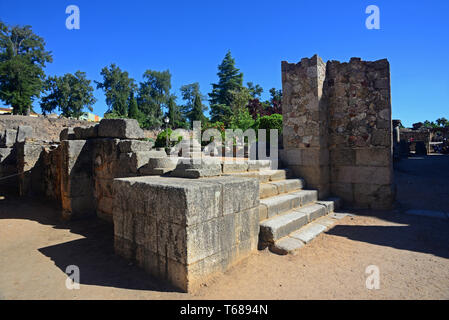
{"type": "Point", "coordinates": [78, 172]}
{"type": "Point", "coordinates": [349, 151]}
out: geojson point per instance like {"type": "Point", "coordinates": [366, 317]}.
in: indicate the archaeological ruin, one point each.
{"type": "Point", "coordinates": [184, 221]}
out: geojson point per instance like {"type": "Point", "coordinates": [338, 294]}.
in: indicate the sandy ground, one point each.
{"type": "Point", "coordinates": [412, 254]}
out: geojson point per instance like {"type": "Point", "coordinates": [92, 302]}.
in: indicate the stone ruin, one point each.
{"type": "Point", "coordinates": [184, 221]}
{"type": "Point", "coordinates": [338, 128]}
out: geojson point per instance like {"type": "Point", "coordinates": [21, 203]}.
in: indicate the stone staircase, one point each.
{"type": "Point", "coordinates": [290, 216]}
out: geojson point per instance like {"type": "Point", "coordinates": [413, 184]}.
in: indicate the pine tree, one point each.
{"type": "Point", "coordinates": [229, 79]}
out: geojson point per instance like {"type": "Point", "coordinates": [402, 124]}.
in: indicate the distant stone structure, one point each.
{"type": "Point", "coordinates": [338, 129]}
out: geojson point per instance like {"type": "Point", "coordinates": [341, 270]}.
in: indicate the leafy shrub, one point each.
{"type": "Point", "coordinates": [161, 140]}
{"type": "Point", "coordinates": [273, 121]}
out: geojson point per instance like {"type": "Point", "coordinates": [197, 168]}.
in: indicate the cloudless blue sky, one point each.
{"type": "Point", "coordinates": [190, 38]}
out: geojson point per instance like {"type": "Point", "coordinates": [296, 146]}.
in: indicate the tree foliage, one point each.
{"type": "Point", "coordinates": [133, 110]}
{"type": "Point", "coordinates": [70, 94]}
{"type": "Point", "coordinates": [117, 86]}
{"type": "Point", "coordinates": [175, 115]}
{"type": "Point", "coordinates": [229, 79]}
{"type": "Point", "coordinates": [193, 109]}
{"type": "Point", "coordinates": [22, 61]}
{"type": "Point", "coordinates": [153, 96]}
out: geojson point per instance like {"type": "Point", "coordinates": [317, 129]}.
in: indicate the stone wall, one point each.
{"type": "Point", "coordinates": [305, 131]}
{"type": "Point", "coordinates": [44, 128]}
{"type": "Point", "coordinates": [409, 135]}
{"type": "Point", "coordinates": [184, 230]}
{"type": "Point", "coordinates": [78, 172]}
{"type": "Point", "coordinates": [338, 129]}
{"type": "Point", "coordinates": [360, 130]}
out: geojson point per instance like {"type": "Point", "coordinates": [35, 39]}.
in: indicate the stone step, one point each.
{"type": "Point", "coordinates": [274, 188]}
{"type": "Point", "coordinates": [263, 176]}
{"type": "Point", "coordinates": [298, 239]}
{"type": "Point", "coordinates": [282, 225]}
{"type": "Point", "coordinates": [270, 207]}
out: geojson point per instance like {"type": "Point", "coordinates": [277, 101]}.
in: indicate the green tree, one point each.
{"type": "Point", "coordinates": [117, 86]}
{"type": "Point", "coordinates": [154, 95]}
{"type": "Point", "coordinates": [254, 90]}
{"type": "Point", "coordinates": [69, 93]}
{"type": "Point", "coordinates": [22, 61]}
{"type": "Point", "coordinates": [174, 114]}
{"type": "Point", "coordinates": [229, 79]}
{"type": "Point", "coordinates": [197, 112]}
{"type": "Point", "coordinates": [242, 119]}
{"type": "Point", "coordinates": [193, 109]}
{"type": "Point", "coordinates": [442, 122]}
{"type": "Point", "coordinates": [133, 110]}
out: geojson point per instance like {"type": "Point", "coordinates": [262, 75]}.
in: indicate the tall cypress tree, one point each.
{"type": "Point", "coordinates": [196, 114]}
{"type": "Point", "coordinates": [133, 110]}
{"type": "Point", "coordinates": [229, 79]}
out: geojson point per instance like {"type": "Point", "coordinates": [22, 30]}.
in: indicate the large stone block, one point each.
{"type": "Point", "coordinates": [120, 128]}
{"type": "Point", "coordinates": [126, 146]}
{"type": "Point", "coordinates": [369, 175]}
{"type": "Point", "coordinates": [84, 133]}
{"type": "Point", "coordinates": [8, 138]}
{"type": "Point", "coordinates": [24, 132]}
{"type": "Point", "coordinates": [5, 153]}
{"type": "Point", "coordinates": [374, 157]}
{"type": "Point", "coordinates": [177, 228]}
{"type": "Point", "coordinates": [67, 134]}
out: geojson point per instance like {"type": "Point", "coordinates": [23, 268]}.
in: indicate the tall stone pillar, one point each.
{"type": "Point", "coordinates": [305, 117]}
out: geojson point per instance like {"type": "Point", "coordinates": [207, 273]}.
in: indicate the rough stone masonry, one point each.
{"type": "Point", "coordinates": [338, 129]}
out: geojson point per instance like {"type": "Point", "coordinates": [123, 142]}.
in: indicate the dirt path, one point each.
{"type": "Point", "coordinates": [412, 254]}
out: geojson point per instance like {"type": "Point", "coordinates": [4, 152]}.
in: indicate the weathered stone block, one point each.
{"type": "Point", "coordinates": [176, 228]}
{"type": "Point", "coordinates": [126, 146]}
{"type": "Point", "coordinates": [369, 175]}
{"type": "Point", "coordinates": [120, 128]}
{"type": "Point", "coordinates": [373, 157]}
{"type": "Point", "coordinates": [84, 133]}
{"type": "Point", "coordinates": [4, 153]}
{"type": "Point", "coordinates": [24, 132]}
{"type": "Point", "coordinates": [238, 194]}
{"type": "Point", "coordinates": [8, 138]}
{"type": "Point", "coordinates": [67, 134]}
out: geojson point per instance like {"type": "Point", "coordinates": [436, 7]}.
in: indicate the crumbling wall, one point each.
{"type": "Point", "coordinates": [44, 128]}
{"type": "Point", "coordinates": [338, 129]}
{"type": "Point", "coordinates": [360, 132]}
{"type": "Point", "coordinates": [78, 172]}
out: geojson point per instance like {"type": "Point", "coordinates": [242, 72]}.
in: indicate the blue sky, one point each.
{"type": "Point", "coordinates": [190, 38]}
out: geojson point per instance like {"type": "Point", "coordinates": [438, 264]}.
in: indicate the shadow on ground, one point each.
{"type": "Point", "coordinates": [419, 234]}
{"type": "Point", "coordinates": [422, 182]}
{"type": "Point", "coordinates": [94, 254]}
